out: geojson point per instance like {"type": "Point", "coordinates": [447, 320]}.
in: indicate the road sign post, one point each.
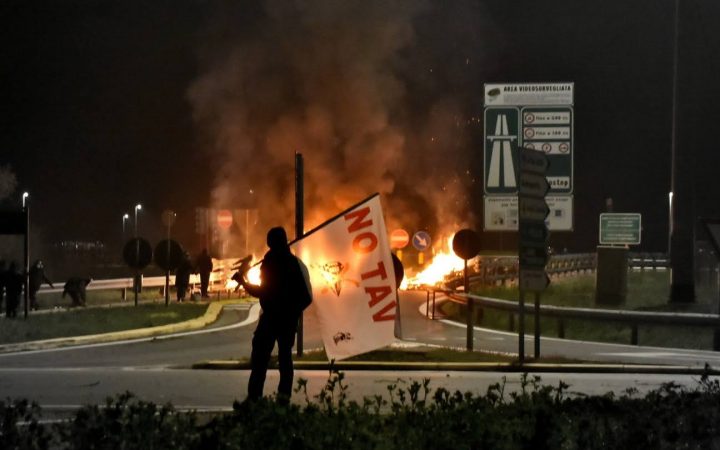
{"type": "Point", "coordinates": [532, 251]}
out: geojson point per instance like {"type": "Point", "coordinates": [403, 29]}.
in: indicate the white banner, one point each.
{"type": "Point", "coordinates": [353, 280]}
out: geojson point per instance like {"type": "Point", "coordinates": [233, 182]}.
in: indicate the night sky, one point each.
{"type": "Point", "coordinates": [100, 102]}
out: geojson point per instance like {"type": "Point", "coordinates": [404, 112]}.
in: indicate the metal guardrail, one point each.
{"type": "Point", "coordinates": [634, 318]}
{"type": "Point", "coordinates": [125, 285]}
{"type": "Point", "coordinates": [489, 270]}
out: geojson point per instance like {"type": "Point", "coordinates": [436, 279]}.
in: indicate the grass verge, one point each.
{"type": "Point", "coordinates": [647, 291]}
{"type": "Point", "coordinates": [81, 322]}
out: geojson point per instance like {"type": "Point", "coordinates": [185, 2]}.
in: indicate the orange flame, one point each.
{"type": "Point", "coordinates": [444, 263]}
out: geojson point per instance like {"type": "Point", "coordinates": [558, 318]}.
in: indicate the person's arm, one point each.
{"type": "Point", "coordinates": [239, 276]}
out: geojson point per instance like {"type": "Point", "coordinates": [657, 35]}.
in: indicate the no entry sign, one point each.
{"type": "Point", "coordinates": [224, 219]}
{"type": "Point", "coordinates": [399, 238]}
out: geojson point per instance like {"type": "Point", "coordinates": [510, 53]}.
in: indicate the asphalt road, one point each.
{"type": "Point", "coordinates": [158, 369]}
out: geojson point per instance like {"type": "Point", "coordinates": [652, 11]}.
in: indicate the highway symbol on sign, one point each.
{"type": "Point", "coordinates": [500, 173]}
{"type": "Point", "coordinates": [421, 240]}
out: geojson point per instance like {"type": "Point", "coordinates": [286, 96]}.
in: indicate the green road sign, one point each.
{"type": "Point", "coordinates": [501, 144]}
{"type": "Point", "coordinates": [620, 228]}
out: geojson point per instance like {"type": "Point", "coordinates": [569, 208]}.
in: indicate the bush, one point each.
{"type": "Point", "coordinates": [411, 417]}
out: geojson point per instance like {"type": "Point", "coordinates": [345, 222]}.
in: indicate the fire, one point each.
{"type": "Point", "coordinates": [224, 271]}
{"type": "Point", "coordinates": [444, 263]}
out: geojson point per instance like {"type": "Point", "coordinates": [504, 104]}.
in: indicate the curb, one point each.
{"type": "Point", "coordinates": [211, 314]}
{"type": "Point", "coordinates": [470, 367]}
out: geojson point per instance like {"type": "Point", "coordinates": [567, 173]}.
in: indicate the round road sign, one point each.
{"type": "Point", "coordinates": [168, 254]}
{"type": "Point", "coordinates": [546, 147]}
{"type": "Point", "coordinates": [564, 147]}
{"type": "Point", "coordinates": [224, 219]}
{"type": "Point", "coordinates": [399, 238]}
{"type": "Point", "coordinates": [466, 243]}
{"type": "Point", "coordinates": [137, 253]}
{"type": "Point", "coordinates": [421, 240]}
{"type": "Point", "coordinates": [168, 217]}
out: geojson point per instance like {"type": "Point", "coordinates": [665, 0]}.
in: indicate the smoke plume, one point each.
{"type": "Point", "coordinates": [337, 81]}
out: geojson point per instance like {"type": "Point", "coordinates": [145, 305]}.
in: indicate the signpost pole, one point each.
{"type": "Point", "coordinates": [469, 319]}
{"type": "Point", "coordinates": [26, 276]}
{"type": "Point", "coordinates": [537, 325]}
{"type": "Point", "coordinates": [521, 328]}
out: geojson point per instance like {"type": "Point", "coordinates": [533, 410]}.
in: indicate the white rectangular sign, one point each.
{"type": "Point", "coordinates": [501, 213]}
{"type": "Point", "coordinates": [353, 280]}
{"type": "Point", "coordinates": [513, 94]}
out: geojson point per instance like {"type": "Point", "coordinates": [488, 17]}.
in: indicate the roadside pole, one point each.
{"type": "Point", "coordinates": [532, 251]}
{"type": "Point", "coordinates": [299, 230]}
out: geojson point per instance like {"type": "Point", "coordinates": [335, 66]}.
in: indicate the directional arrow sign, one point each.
{"type": "Point", "coordinates": [533, 280]}
{"type": "Point", "coordinates": [533, 232]}
{"type": "Point", "coordinates": [533, 161]}
{"type": "Point", "coordinates": [533, 185]}
{"type": "Point", "coordinates": [533, 209]}
{"type": "Point", "coordinates": [421, 240]}
{"type": "Point", "coordinates": [533, 256]}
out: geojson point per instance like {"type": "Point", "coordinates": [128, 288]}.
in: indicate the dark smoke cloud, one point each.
{"type": "Point", "coordinates": [339, 82]}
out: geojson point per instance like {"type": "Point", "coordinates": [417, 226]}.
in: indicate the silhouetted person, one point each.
{"type": "Point", "coordinates": [284, 293]}
{"type": "Point", "coordinates": [37, 278]}
{"type": "Point", "coordinates": [76, 288]}
{"type": "Point", "coordinates": [3, 276]}
{"type": "Point", "coordinates": [13, 289]}
{"type": "Point", "coordinates": [182, 277]}
{"type": "Point", "coordinates": [204, 266]}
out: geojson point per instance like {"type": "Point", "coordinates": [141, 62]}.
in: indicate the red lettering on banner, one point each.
{"type": "Point", "coordinates": [365, 243]}
{"type": "Point", "coordinates": [381, 272]}
{"type": "Point", "coordinates": [377, 294]}
{"type": "Point", "coordinates": [380, 315]}
{"type": "Point", "coordinates": [357, 217]}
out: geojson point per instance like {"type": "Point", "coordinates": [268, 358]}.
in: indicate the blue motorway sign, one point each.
{"type": "Point", "coordinates": [421, 240]}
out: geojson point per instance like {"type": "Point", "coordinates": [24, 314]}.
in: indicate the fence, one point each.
{"type": "Point", "coordinates": [634, 319]}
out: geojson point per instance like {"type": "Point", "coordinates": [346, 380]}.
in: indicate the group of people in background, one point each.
{"type": "Point", "coordinates": [203, 265]}
{"type": "Point", "coordinates": [12, 281]}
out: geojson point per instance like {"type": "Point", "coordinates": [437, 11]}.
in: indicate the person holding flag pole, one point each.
{"type": "Point", "coordinates": [284, 293]}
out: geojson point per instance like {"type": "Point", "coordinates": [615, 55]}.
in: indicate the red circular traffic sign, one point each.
{"type": "Point", "coordinates": [224, 219]}
{"type": "Point", "coordinates": [399, 238]}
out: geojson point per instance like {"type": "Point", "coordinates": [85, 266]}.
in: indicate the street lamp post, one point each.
{"type": "Point", "coordinates": [137, 208]}
{"type": "Point", "coordinates": [125, 218]}
{"type": "Point", "coordinates": [24, 197]}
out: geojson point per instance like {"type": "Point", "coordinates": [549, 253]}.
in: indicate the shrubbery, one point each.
{"type": "Point", "coordinates": [416, 417]}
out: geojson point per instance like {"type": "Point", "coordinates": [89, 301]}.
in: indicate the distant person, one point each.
{"type": "Point", "coordinates": [182, 277]}
{"type": "Point", "coordinates": [13, 289]}
{"type": "Point", "coordinates": [284, 293]}
{"type": "Point", "coordinates": [204, 266]}
{"type": "Point", "coordinates": [76, 288]}
{"type": "Point", "coordinates": [3, 275]}
{"type": "Point", "coordinates": [37, 278]}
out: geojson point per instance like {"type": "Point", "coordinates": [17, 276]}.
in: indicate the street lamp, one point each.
{"type": "Point", "coordinates": [137, 207]}
{"type": "Point", "coordinates": [24, 196]}
{"type": "Point", "coordinates": [125, 218]}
